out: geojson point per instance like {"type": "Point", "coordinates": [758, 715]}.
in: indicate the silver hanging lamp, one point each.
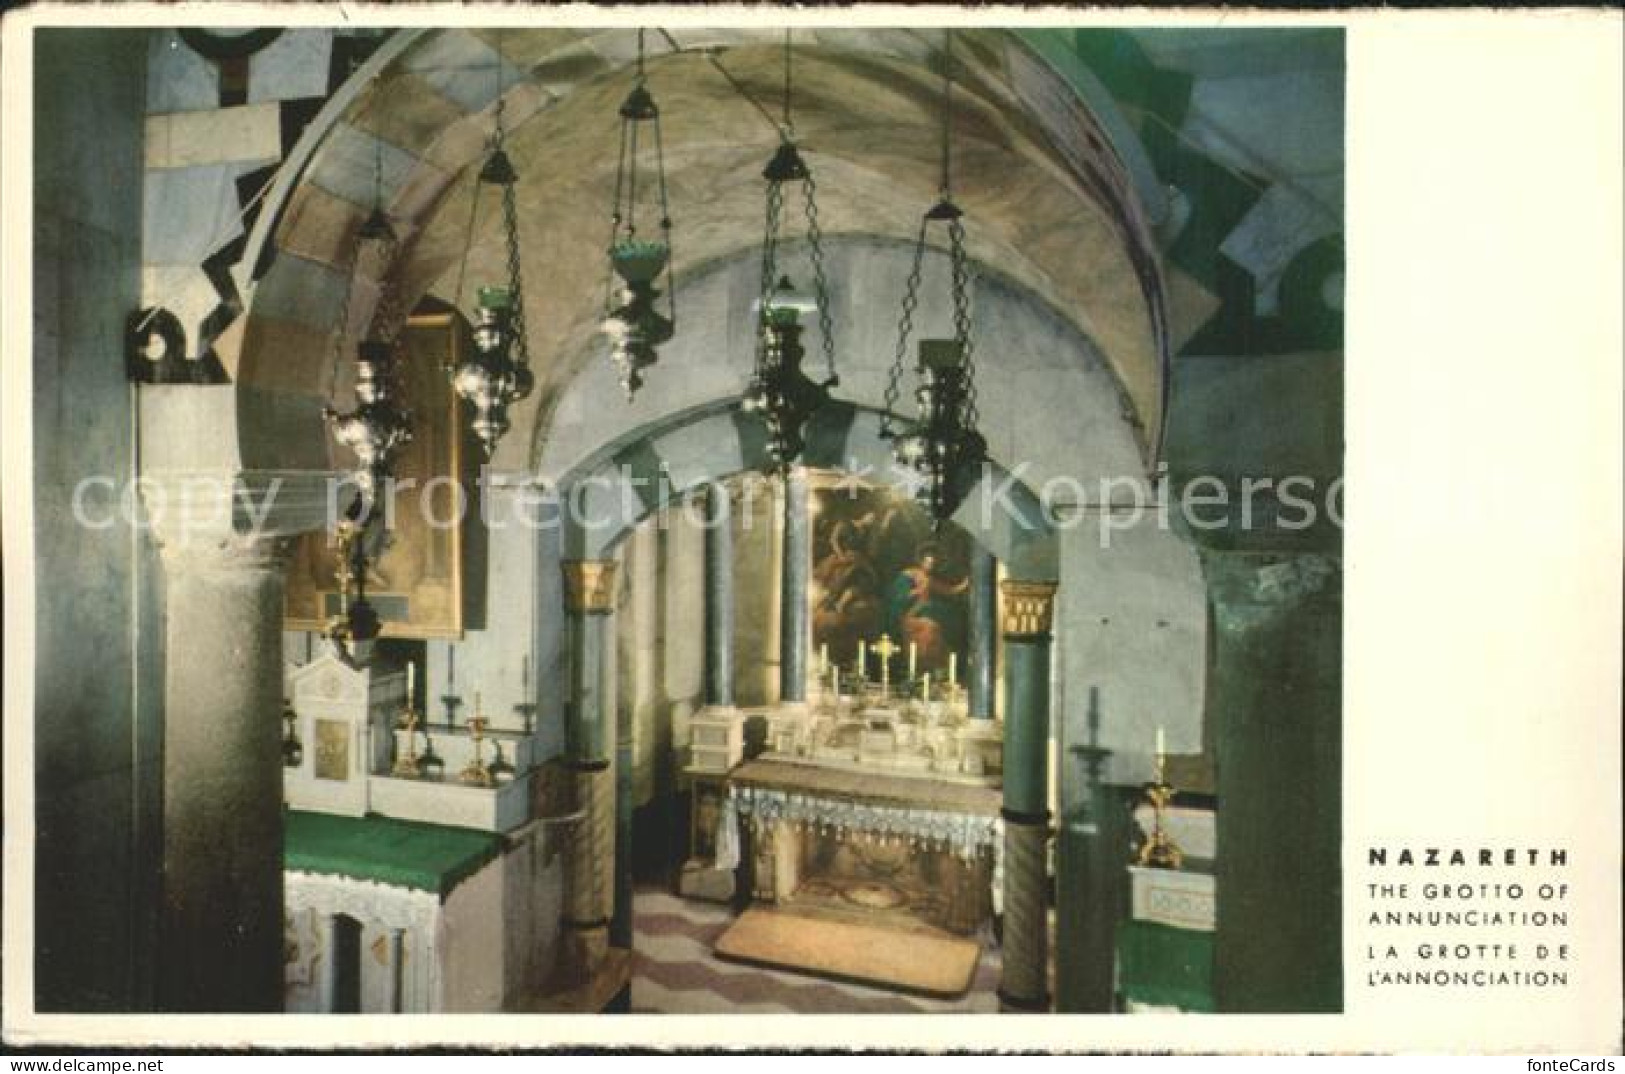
{"type": "Point", "coordinates": [374, 431]}
{"type": "Point", "coordinates": [496, 374]}
{"type": "Point", "coordinates": [942, 447]}
{"type": "Point", "coordinates": [780, 392]}
{"type": "Point", "coordinates": [632, 321]}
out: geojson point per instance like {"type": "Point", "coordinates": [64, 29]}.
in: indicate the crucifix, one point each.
{"type": "Point", "coordinates": [885, 648]}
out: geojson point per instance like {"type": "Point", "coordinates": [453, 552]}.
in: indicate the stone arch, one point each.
{"type": "Point", "coordinates": [423, 104]}
{"type": "Point", "coordinates": [637, 475]}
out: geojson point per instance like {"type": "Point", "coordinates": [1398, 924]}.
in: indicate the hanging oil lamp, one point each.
{"type": "Point", "coordinates": [378, 426]}
{"type": "Point", "coordinates": [942, 448]}
{"type": "Point", "coordinates": [497, 373]}
{"type": "Point", "coordinates": [354, 632]}
{"type": "Point", "coordinates": [633, 323]}
{"type": "Point", "coordinates": [779, 391]}
{"type": "Point", "coordinates": [293, 751]}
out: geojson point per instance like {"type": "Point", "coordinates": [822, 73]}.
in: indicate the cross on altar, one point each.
{"type": "Point", "coordinates": [885, 648]}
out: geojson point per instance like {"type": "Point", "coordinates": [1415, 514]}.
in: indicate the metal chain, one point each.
{"type": "Point", "coordinates": [815, 239]}
{"type": "Point", "coordinates": [770, 246]}
{"type": "Point", "coordinates": [911, 301]}
{"type": "Point", "coordinates": [665, 224]}
{"type": "Point", "coordinates": [510, 221]}
{"type": "Point", "coordinates": [962, 321]}
{"type": "Point", "coordinates": [947, 107]}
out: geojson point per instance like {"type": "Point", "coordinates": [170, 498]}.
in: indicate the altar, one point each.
{"type": "Point", "coordinates": [908, 850]}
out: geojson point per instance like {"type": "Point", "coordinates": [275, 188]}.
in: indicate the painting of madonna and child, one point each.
{"type": "Point", "coordinates": [880, 570]}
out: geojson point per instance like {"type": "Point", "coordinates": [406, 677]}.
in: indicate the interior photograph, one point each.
{"type": "Point", "coordinates": [687, 519]}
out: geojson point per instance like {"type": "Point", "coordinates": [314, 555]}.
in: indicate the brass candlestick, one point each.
{"type": "Point", "coordinates": [409, 765]}
{"type": "Point", "coordinates": [1159, 850]}
{"type": "Point", "coordinates": [475, 773]}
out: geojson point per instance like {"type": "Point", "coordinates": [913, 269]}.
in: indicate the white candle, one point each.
{"type": "Point", "coordinates": [524, 672]}
{"type": "Point", "coordinates": [913, 659]}
{"type": "Point", "coordinates": [926, 695]}
{"type": "Point", "coordinates": [835, 681]}
{"type": "Point", "coordinates": [862, 648]}
{"type": "Point", "coordinates": [1162, 742]}
{"type": "Point", "coordinates": [953, 669]}
{"type": "Point", "coordinates": [823, 656]}
{"type": "Point", "coordinates": [409, 681]}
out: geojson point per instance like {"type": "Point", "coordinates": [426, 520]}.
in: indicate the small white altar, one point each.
{"type": "Point", "coordinates": [351, 736]}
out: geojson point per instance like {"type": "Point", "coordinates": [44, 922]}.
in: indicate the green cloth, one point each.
{"type": "Point", "coordinates": [1165, 966]}
{"type": "Point", "coordinates": [402, 853]}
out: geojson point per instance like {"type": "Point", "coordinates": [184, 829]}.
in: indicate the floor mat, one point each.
{"type": "Point", "coordinates": [932, 963]}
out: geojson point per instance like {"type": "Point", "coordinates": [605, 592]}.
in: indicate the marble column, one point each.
{"type": "Point", "coordinates": [1026, 620]}
{"type": "Point", "coordinates": [984, 613]}
{"type": "Point", "coordinates": [719, 598]}
{"type": "Point", "coordinates": [589, 599]}
{"type": "Point", "coordinates": [220, 926]}
{"type": "Point", "coordinates": [795, 626]}
{"type": "Point", "coordinates": [1275, 708]}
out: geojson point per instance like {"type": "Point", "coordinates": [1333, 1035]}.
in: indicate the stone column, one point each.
{"type": "Point", "coordinates": [984, 611]}
{"type": "Point", "coordinates": [1275, 708]}
{"type": "Point", "coordinates": [719, 598]}
{"type": "Point", "coordinates": [589, 599]}
{"type": "Point", "coordinates": [795, 626]}
{"type": "Point", "coordinates": [220, 925]}
{"type": "Point", "coordinates": [1028, 614]}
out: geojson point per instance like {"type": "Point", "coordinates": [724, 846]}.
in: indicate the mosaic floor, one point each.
{"type": "Point", "coordinates": [674, 972]}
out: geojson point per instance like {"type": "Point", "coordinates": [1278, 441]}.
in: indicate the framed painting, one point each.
{"type": "Point", "coordinates": [879, 569]}
{"type": "Point", "coordinates": [418, 584]}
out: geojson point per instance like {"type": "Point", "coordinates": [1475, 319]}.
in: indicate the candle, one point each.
{"type": "Point", "coordinates": [1162, 742]}
{"type": "Point", "coordinates": [862, 648]}
{"type": "Point", "coordinates": [524, 672]}
{"type": "Point", "coordinates": [451, 667]}
{"type": "Point", "coordinates": [823, 656]}
{"type": "Point", "coordinates": [953, 669]}
{"type": "Point", "coordinates": [926, 696]}
{"type": "Point", "coordinates": [835, 681]}
{"type": "Point", "coordinates": [913, 659]}
{"type": "Point", "coordinates": [410, 667]}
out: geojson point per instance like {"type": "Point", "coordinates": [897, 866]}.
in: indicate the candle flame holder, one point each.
{"type": "Point", "coordinates": [475, 773]}
{"type": "Point", "coordinates": [1159, 850]}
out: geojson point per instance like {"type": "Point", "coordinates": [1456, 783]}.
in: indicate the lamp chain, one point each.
{"type": "Point", "coordinates": [826, 329]}
{"type": "Point", "coordinates": [911, 301]}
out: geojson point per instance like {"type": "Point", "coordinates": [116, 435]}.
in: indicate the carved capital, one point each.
{"type": "Point", "coordinates": [1028, 608]}
{"type": "Point", "coordinates": [589, 586]}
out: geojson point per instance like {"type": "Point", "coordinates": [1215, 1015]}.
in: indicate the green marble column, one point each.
{"type": "Point", "coordinates": [984, 614]}
{"type": "Point", "coordinates": [1275, 709]}
{"type": "Point", "coordinates": [719, 598]}
{"type": "Point", "coordinates": [795, 627]}
{"type": "Point", "coordinates": [1026, 620]}
{"type": "Point", "coordinates": [589, 595]}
